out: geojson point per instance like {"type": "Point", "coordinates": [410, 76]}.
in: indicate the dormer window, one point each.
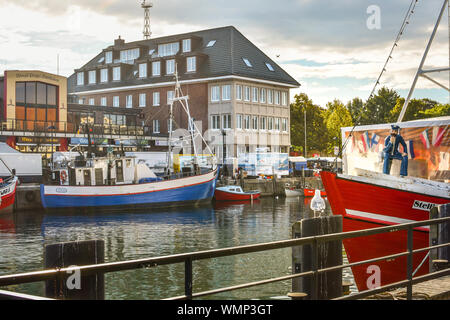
{"type": "Point", "coordinates": [187, 45]}
{"type": "Point", "coordinates": [247, 62]}
{"type": "Point", "coordinates": [170, 66]}
{"type": "Point", "coordinates": [169, 49]}
{"type": "Point", "coordinates": [108, 56]}
{"type": "Point", "coordinates": [129, 55]}
{"type": "Point", "coordinates": [191, 63]}
{"type": "Point", "coordinates": [101, 60]}
{"type": "Point", "coordinates": [269, 66]}
{"type": "Point", "coordinates": [80, 78]}
{"type": "Point", "coordinates": [211, 43]}
{"type": "Point", "coordinates": [92, 77]}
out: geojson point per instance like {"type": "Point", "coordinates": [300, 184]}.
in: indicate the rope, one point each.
{"type": "Point", "coordinates": [405, 22]}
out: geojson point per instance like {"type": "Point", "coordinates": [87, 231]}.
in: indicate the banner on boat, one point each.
{"type": "Point", "coordinates": [427, 142]}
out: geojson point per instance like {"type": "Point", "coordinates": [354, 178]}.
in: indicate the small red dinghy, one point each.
{"type": "Point", "coordinates": [312, 192]}
{"type": "Point", "coordinates": [234, 193]}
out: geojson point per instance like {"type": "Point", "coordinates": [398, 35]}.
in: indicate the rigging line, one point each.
{"type": "Point", "coordinates": [397, 39]}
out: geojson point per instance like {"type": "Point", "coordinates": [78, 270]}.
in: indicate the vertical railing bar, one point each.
{"type": "Point", "coordinates": [315, 279]}
{"type": "Point", "coordinates": [188, 278]}
{"type": "Point", "coordinates": [410, 263]}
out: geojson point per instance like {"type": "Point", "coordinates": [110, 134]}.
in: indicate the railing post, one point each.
{"type": "Point", "coordinates": [188, 278]}
{"type": "Point", "coordinates": [315, 277]}
{"type": "Point", "coordinates": [410, 263]}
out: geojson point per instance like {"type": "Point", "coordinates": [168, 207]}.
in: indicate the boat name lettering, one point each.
{"type": "Point", "coordinates": [61, 190]}
{"type": "Point", "coordinates": [421, 205]}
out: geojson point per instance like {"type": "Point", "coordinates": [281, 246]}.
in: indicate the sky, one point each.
{"type": "Point", "coordinates": [334, 49]}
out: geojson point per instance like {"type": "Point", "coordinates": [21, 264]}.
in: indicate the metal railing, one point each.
{"type": "Point", "coordinates": [315, 241]}
{"type": "Point", "coordinates": [51, 127]}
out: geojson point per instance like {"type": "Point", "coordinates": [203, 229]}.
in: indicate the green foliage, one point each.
{"type": "Point", "coordinates": [336, 117]}
{"type": "Point", "coordinates": [377, 109]}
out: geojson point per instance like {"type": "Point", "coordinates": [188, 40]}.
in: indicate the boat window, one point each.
{"type": "Point", "coordinates": [232, 189]}
{"type": "Point", "coordinates": [239, 190]}
{"type": "Point", "coordinates": [128, 163]}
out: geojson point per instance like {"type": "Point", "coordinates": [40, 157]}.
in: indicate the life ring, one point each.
{"type": "Point", "coordinates": [63, 176]}
{"type": "Point", "coordinates": [30, 196]}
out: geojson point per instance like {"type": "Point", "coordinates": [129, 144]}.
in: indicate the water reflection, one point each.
{"type": "Point", "coordinates": [141, 235]}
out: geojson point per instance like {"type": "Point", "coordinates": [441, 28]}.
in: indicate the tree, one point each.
{"type": "Point", "coordinates": [377, 109]}
{"type": "Point", "coordinates": [355, 107]}
{"type": "Point", "coordinates": [316, 131]}
{"type": "Point", "coordinates": [415, 110]}
{"type": "Point", "coordinates": [337, 116]}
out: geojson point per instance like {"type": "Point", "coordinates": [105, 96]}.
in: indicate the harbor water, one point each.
{"type": "Point", "coordinates": [128, 236]}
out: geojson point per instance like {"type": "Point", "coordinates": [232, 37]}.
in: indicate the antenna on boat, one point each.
{"type": "Point", "coordinates": [422, 72]}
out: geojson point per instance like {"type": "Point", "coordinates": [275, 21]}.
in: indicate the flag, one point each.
{"type": "Point", "coordinates": [410, 145]}
{"type": "Point", "coordinates": [438, 136]}
{"type": "Point", "coordinates": [424, 138]}
{"type": "Point", "coordinates": [353, 143]}
{"type": "Point", "coordinates": [374, 141]}
{"type": "Point", "coordinates": [365, 140]}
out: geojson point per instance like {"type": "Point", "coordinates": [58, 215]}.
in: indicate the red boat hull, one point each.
{"type": "Point", "coordinates": [365, 206]}
{"type": "Point", "coordinates": [220, 195]}
{"type": "Point", "coordinates": [312, 192]}
{"type": "Point", "coordinates": [8, 194]}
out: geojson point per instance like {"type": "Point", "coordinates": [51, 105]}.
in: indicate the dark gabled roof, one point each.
{"type": "Point", "coordinates": [225, 58]}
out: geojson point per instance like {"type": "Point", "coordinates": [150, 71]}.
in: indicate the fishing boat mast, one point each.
{"type": "Point", "coordinates": [423, 72]}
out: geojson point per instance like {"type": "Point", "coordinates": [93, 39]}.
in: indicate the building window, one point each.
{"type": "Point", "coordinates": [104, 75]}
{"type": "Point", "coordinates": [156, 128]}
{"type": "Point", "coordinates": [277, 97]}
{"type": "Point", "coordinates": [169, 49]}
{"type": "Point", "coordinates": [92, 77]}
{"type": "Point", "coordinates": [247, 94]}
{"type": "Point", "coordinates": [170, 96]}
{"type": "Point", "coordinates": [269, 66]}
{"type": "Point", "coordinates": [187, 45]}
{"type": "Point", "coordinates": [80, 78]}
{"type": "Point", "coordinates": [215, 122]}
{"type": "Point", "coordinates": [226, 92]}
{"type": "Point", "coordinates": [238, 121]}
{"type": "Point", "coordinates": [129, 55]}
{"type": "Point", "coordinates": [247, 62]}
{"type": "Point", "coordinates": [211, 43]}
{"type": "Point", "coordinates": [156, 68]}
{"type": "Point", "coordinates": [91, 101]}
{"type": "Point", "coordinates": [284, 98]}
{"type": "Point", "coordinates": [246, 122]}
{"type": "Point", "coordinates": [270, 96]}
{"type": "Point", "coordinates": [255, 94]}
{"type": "Point", "coordinates": [116, 74]}
{"type": "Point", "coordinates": [238, 92]}
{"type": "Point", "coordinates": [129, 101]}
{"type": "Point", "coordinates": [262, 123]}
{"type": "Point", "coordinates": [103, 101]}
{"type": "Point", "coordinates": [277, 124]}
{"type": "Point", "coordinates": [143, 70]}
{"type": "Point", "coordinates": [142, 99]}
{"type": "Point", "coordinates": [284, 125]}
{"type": "Point", "coordinates": [170, 66]}
{"type": "Point", "coordinates": [116, 101]}
{"type": "Point", "coordinates": [226, 121]}
{"type": "Point", "coordinates": [81, 101]}
{"type": "Point", "coordinates": [215, 93]}
{"type": "Point", "coordinates": [108, 56]}
{"type": "Point", "coordinates": [191, 64]}
{"type": "Point", "coordinates": [263, 95]}
{"type": "Point", "coordinates": [156, 99]}
{"type": "Point", "coordinates": [255, 122]}
{"type": "Point", "coordinates": [269, 123]}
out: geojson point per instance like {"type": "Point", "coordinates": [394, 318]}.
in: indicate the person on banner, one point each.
{"type": "Point", "coordinates": [391, 152]}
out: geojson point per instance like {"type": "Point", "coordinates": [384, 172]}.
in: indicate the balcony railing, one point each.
{"type": "Point", "coordinates": [50, 127]}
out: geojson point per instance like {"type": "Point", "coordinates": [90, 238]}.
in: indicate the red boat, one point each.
{"type": "Point", "coordinates": [234, 193]}
{"type": "Point", "coordinates": [312, 192]}
{"type": "Point", "coordinates": [372, 200]}
{"type": "Point", "coordinates": [7, 194]}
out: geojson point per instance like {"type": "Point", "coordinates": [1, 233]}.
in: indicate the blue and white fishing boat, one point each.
{"type": "Point", "coordinates": [119, 182]}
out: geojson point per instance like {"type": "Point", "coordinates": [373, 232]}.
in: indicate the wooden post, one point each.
{"type": "Point", "coordinates": [326, 285]}
{"type": "Point", "coordinates": [75, 286]}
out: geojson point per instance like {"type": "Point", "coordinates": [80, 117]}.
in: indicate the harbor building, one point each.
{"type": "Point", "coordinates": [37, 118]}
{"type": "Point", "coordinates": [236, 92]}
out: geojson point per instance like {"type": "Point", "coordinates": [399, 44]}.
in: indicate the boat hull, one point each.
{"type": "Point", "coordinates": [171, 193]}
{"type": "Point", "coordinates": [366, 205]}
{"type": "Point", "coordinates": [8, 195]}
{"type": "Point", "coordinates": [312, 192]}
{"type": "Point", "coordinates": [220, 195]}
{"type": "Point", "coordinates": [292, 193]}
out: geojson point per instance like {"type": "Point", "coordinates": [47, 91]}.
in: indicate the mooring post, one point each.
{"type": "Point", "coordinates": [73, 285]}
{"type": "Point", "coordinates": [326, 285]}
